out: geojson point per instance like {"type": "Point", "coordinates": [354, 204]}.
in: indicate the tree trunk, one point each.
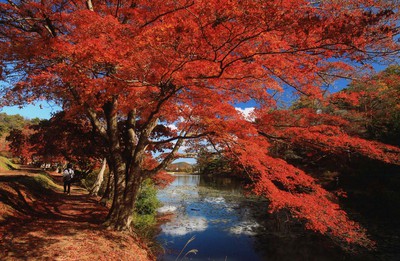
{"type": "Point", "coordinates": [126, 188]}
{"type": "Point", "coordinates": [99, 180]}
{"type": "Point", "coordinates": [121, 212]}
{"type": "Point", "coordinates": [118, 168]}
{"type": "Point", "coordinates": [109, 188]}
{"type": "Point", "coordinates": [126, 160]}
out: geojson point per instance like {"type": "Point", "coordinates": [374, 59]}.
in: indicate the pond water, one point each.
{"type": "Point", "coordinates": [214, 219]}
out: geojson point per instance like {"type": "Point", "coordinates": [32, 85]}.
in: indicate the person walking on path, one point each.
{"type": "Point", "coordinates": [68, 174]}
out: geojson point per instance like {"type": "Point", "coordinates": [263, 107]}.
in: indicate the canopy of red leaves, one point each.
{"type": "Point", "coordinates": [188, 62]}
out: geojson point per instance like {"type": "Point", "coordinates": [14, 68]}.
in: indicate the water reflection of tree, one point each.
{"type": "Point", "coordinates": [186, 180]}
{"type": "Point", "coordinates": [281, 237]}
{"type": "Point", "coordinates": [221, 183]}
{"type": "Point", "coordinates": [278, 236]}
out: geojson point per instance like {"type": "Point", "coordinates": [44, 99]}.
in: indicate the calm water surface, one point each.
{"type": "Point", "coordinates": [227, 226]}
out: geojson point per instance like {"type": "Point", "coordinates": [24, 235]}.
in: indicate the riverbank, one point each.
{"type": "Point", "coordinates": [39, 221]}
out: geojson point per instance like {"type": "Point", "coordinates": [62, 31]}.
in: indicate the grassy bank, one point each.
{"type": "Point", "coordinates": [6, 164]}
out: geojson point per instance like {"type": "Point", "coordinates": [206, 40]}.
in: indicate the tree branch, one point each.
{"type": "Point", "coordinates": [269, 136]}
{"type": "Point", "coordinates": [166, 13]}
{"type": "Point", "coordinates": [89, 5]}
{"type": "Point", "coordinates": [170, 157]}
{"type": "Point", "coordinates": [183, 137]}
{"type": "Point", "coordinates": [96, 123]}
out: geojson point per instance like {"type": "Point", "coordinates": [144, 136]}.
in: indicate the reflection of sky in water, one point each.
{"type": "Point", "coordinates": [223, 223]}
{"type": "Point", "coordinates": [222, 228]}
{"type": "Point", "coordinates": [185, 225]}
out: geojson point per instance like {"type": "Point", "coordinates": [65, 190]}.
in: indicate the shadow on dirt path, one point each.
{"type": "Point", "coordinates": [46, 224]}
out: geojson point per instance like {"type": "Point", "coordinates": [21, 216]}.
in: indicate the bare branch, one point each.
{"type": "Point", "coordinates": [167, 160]}
{"type": "Point", "coordinates": [89, 5]}
{"type": "Point", "coordinates": [96, 123]}
{"type": "Point", "coordinates": [183, 137]}
{"type": "Point", "coordinates": [166, 13]}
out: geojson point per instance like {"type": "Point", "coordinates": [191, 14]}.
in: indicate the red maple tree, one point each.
{"type": "Point", "coordinates": [19, 144]}
{"type": "Point", "coordinates": [61, 139]}
{"type": "Point", "coordinates": [131, 66]}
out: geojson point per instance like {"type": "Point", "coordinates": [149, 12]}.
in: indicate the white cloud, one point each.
{"type": "Point", "coordinates": [215, 200]}
{"type": "Point", "coordinates": [247, 113]}
{"type": "Point", "coordinates": [167, 209]}
{"type": "Point", "coordinates": [248, 228]}
{"type": "Point", "coordinates": [172, 126]}
{"type": "Point", "coordinates": [185, 225]}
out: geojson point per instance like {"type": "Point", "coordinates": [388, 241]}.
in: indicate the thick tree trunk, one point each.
{"type": "Point", "coordinates": [119, 187]}
{"type": "Point", "coordinates": [123, 207]}
{"type": "Point", "coordinates": [117, 164]}
{"type": "Point", "coordinates": [99, 180]}
{"type": "Point", "coordinates": [126, 160]}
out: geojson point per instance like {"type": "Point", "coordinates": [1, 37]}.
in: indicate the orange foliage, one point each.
{"type": "Point", "coordinates": [19, 144]}
{"type": "Point", "coordinates": [289, 187]}
{"type": "Point", "coordinates": [131, 66]}
{"type": "Point", "coordinates": [323, 132]}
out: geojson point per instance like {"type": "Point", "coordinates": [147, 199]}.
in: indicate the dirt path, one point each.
{"type": "Point", "coordinates": [50, 225]}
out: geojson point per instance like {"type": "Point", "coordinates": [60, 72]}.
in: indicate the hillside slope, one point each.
{"type": "Point", "coordinates": [180, 167]}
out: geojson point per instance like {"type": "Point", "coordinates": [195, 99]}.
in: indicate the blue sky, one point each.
{"type": "Point", "coordinates": [41, 110]}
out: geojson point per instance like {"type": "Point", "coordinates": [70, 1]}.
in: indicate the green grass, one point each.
{"type": "Point", "coordinates": [6, 164]}
{"type": "Point", "coordinates": [38, 184]}
{"type": "Point", "coordinates": [45, 183]}
{"type": "Point", "coordinates": [42, 182]}
{"type": "Point", "coordinates": [19, 191]}
{"type": "Point", "coordinates": [90, 179]}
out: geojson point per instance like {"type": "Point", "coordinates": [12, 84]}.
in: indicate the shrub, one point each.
{"type": "Point", "coordinates": [146, 206]}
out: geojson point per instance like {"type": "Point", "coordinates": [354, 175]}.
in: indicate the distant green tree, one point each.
{"type": "Point", "coordinates": [13, 130]}
{"type": "Point", "coordinates": [376, 112]}
{"type": "Point", "coordinates": [209, 162]}
{"type": "Point", "coordinates": [2, 129]}
{"type": "Point", "coordinates": [9, 122]}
